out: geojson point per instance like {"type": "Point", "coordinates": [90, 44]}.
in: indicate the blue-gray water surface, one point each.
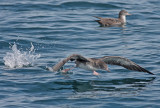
{"type": "Point", "coordinates": [58, 28]}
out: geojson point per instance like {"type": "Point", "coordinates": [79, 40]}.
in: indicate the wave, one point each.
{"type": "Point", "coordinates": [87, 4]}
{"type": "Point", "coordinates": [53, 5]}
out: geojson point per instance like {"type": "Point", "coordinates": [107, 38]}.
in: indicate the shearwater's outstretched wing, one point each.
{"type": "Point", "coordinates": [72, 57]}
{"type": "Point", "coordinates": [124, 62]}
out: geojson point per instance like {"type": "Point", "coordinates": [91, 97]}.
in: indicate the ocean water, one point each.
{"type": "Point", "coordinates": [37, 34]}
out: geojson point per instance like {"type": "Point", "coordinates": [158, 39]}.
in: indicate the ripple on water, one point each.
{"type": "Point", "coordinates": [60, 28]}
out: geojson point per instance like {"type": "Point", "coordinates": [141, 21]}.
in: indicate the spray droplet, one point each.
{"type": "Point", "coordinates": [19, 59]}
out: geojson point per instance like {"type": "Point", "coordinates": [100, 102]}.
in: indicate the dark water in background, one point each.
{"type": "Point", "coordinates": [60, 28]}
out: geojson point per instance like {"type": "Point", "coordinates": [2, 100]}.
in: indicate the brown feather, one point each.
{"type": "Point", "coordinates": [94, 63]}
{"type": "Point", "coordinates": [124, 62]}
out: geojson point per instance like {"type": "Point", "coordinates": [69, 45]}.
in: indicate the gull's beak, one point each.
{"type": "Point", "coordinates": [129, 14]}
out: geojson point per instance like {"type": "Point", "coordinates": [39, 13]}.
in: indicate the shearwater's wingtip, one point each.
{"type": "Point", "coordinates": [149, 72]}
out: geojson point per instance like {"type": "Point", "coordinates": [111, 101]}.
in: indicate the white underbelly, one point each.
{"type": "Point", "coordinates": [87, 67]}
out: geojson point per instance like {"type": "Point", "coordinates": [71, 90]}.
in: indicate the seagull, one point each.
{"type": "Point", "coordinates": [106, 22]}
{"type": "Point", "coordinates": [94, 64]}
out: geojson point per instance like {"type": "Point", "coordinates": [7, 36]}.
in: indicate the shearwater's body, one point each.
{"type": "Point", "coordinates": [94, 64]}
{"type": "Point", "coordinates": [106, 22]}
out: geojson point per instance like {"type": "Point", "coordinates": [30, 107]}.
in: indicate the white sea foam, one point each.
{"type": "Point", "coordinates": [19, 59]}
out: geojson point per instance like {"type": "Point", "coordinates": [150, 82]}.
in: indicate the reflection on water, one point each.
{"type": "Point", "coordinates": [59, 28]}
{"type": "Point", "coordinates": [118, 87]}
{"type": "Point", "coordinates": [122, 87]}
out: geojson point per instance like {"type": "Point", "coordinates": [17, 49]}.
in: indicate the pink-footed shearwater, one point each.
{"type": "Point", "coordinates": [106, 22]}
{"type": "Point", "coordinates": [94, 64]}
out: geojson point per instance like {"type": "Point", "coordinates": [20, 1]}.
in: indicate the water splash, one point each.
{"type": "Point", "coordinates": [19, 59]}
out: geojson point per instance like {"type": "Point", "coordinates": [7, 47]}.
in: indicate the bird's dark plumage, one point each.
{"type": "Point", "coordinates": [106, 22]}
{"type": "Point", "coordinates": [100, 63]}
{"type": "Point", "coordinates": [124, 62]}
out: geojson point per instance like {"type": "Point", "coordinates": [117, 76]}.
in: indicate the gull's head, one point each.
{"type": "Point", "coordinates": [123, 13]}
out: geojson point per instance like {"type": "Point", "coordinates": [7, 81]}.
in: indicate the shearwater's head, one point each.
{"type": "Point", "coordinates": [122, 15]}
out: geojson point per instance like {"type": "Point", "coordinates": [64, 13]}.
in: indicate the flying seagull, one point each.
{"type": "Point", "coordinates": [94, 64]}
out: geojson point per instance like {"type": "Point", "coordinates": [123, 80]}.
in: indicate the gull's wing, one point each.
{"type": "Point", "coordinates": [111, 21]}
{"type": "Point", "coordinates": [72, 57]}
{"type": "Point", "coordinates": [108, 21]}
{"type": "Point", "coordinates": [124, 62]}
